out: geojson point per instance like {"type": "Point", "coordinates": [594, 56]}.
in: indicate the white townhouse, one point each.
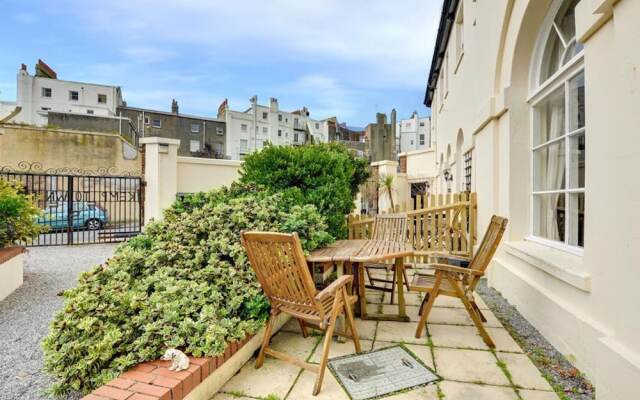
{"type": "Point", "coordinates": [42, 92]}
{"type": "Point", "coordinates": [413, 133]}
{"type": "Point", "coordinates": [250, 129]}
{"type": "Point", "coordinates": [535, 106]}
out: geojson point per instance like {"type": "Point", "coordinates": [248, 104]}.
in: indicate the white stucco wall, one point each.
{"type": "Point", "coordinates": [268, 129]}
{"type": "Point", "coordinates": [35, 106]}
{"type": "Point", "coordinates": [583, 302]}
{"type": "Point", "coordinates": [203, 174]}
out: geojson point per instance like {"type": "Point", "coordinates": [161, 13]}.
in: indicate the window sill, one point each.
{"type": "Point", "coordinates": [557, 263]}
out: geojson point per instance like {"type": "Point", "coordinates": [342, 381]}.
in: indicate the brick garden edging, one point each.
{"type": "Point", "coordinates": [7, 253]}
{"type": "Point", "coordinates": [152, 380]}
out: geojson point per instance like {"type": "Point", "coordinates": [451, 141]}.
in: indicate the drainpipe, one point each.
{"type": "Point", "coordinates": [204, 131]}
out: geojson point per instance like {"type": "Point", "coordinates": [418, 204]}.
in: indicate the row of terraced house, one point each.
{"type": "Point", "coordinates": [44, 100]}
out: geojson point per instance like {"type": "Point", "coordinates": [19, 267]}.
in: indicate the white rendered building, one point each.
{"type": "Point", "coordinates": [251, 129]}
{"type": "Point", "coordinates": [413, 133]}
{"type": "Point", "coordinates": [43, 92]}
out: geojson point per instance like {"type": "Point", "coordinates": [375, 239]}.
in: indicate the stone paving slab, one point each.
{"type": "Point", "coordinates": [523, 372]}
{"type": "Point", "coordinates": [469, 366]}
{"type": "Point", "coordinates": [467, 373]}
{"type": "Point", "coordinates": [470, 391]}
{"type": "Point", "coordinates": [456, 336]}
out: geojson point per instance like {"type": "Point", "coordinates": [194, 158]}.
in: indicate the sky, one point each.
{"type": "Point", "coordinates": [344, 58]}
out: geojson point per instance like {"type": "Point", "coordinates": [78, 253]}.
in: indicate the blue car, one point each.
{"type": "Point", "coordinates": [85, 215]}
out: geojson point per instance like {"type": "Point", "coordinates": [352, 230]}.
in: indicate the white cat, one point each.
{"type": "Point", "coordinates": [179, 360]}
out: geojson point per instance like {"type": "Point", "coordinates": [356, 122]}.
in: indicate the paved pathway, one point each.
{"type": "Point", "coordinates": [453, 350]}
{"type": "Point", "coordinates": [25, 314]}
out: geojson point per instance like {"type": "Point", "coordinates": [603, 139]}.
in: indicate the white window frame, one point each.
{"type": "Point", "coordinates": [104, 96]}
{"type": "Point", "coordinates": [153, 123]}
{"type": "Point", "coordinates": [195, 128]}
{"type": "Point", "coordinates": [244, 128]}
{"type": "Point", "coordinates": [219, 131]}
{"type": "Point", "coordinates": [71, 92]}
{"type": "Point", "coordinates": [195, 142]}
{"type": "Point", "coordinates": [46, 90]}
{"type": "Point", "coordinates": [540, 91]}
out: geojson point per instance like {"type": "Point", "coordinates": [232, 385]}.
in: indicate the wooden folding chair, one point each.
{"type": "Point", "coordinates": [280, 265]}
{"type": "Point", "coordinates": [392, 228]}
{"type": "Point", "coordinates": [454, 281]}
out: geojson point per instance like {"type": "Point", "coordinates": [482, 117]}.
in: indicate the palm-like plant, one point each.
{"type": "Point", "coordinates": [386, 187]}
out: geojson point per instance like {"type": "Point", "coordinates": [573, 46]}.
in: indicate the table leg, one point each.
{"type": "Point", "coordinates": [340, 322]}
{"type": "Point", "coordinates": [402, 312]}
{"type": "Point", "coordinates": [362, 298]}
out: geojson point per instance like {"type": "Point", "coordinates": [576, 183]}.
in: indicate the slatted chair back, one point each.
{"type": "Point", "coordinates": [487, 248]}
{"type": "Point", "coordinates": [280, 265]}
{"type": "Point", "coordinates": [390, 227]}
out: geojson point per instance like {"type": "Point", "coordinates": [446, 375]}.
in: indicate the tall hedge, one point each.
{"type": "Point", "coordinates": [184, 283]}
{"type": "Point", "coordinates": [325, 175]}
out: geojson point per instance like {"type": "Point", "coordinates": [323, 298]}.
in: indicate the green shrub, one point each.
{"type": "Point", "coordinates": [325, 175]}
{"type": "Point", "coordinates": [17, 214]}
{"type": "Point", "coordinates": [184, 283]}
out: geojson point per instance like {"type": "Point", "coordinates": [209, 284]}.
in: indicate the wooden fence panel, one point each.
{"type": "Point", "coordinates": [436, 223]}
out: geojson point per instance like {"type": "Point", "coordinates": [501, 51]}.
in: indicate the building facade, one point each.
{"type": "Point", "coordinates": [249, 130]}
{"type": "Point", "coordinates": [43, 92]}
{"type": "Point", "coordinates": [534, 106]}
{"type": "Point", "coordinates": [413, 133]}
{"type": "Point", "coordinates": [199, 136]}
{"type": "Point", "coordinates": [381, 138]}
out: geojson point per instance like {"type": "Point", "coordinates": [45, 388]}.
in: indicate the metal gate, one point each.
{"type": "Point", "coordinates": [80, 209]}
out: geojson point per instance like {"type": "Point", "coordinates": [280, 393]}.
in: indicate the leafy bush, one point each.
{"type": "Point", "coordinates": [325, 175]}
{"type": "Point", "coordinates": [184, 283]}
{"type": "Point", "coordinates": [17, 214]}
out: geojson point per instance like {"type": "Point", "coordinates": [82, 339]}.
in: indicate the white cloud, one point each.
{"type": "Point", "coordinates": [329, 97]}
{"type": "Point", "coordinates": [390, 41]}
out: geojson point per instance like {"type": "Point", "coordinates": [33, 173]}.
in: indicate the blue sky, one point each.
{"type": "Point", "coordinates": [348, 58]}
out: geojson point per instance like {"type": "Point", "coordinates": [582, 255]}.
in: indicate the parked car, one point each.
{"type": "Point", "coordinates": [85, 215]}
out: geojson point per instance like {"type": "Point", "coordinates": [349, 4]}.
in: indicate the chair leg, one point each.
{"type": "Point", "coordinates": [351, 321]}
{"type": "Point", "coordinates": [406, 280]}
{"type": "Point", "coordinates": [424, 302]}
{"type": "Point", "coordinates": [325, 348]}
{"type": "Point", "coordinates": [393, 285]}
{"type": "Point", "coordinates": [265, 339]}
{"type": "Point", "coordinates": [303, 328]}
{"type": "Point", "coordinates": [472, 313]}
{"type": "Point", "coordinates": [427, 308]}
{"type": "Point", "coordinates": [475, 307]}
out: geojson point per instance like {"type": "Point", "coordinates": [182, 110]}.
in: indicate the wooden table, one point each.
{"type": "Point", "coordinates": [354, 253]}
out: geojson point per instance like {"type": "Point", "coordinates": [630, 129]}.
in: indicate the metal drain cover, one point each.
{"type": "Point", "coordinates": [380, 372]}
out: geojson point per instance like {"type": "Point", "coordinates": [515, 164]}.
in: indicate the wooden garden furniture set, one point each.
{"type": "Point", "coordinates": [282, 270]}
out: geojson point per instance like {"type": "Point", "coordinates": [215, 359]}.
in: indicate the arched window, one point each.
{"type": "Point", "coordinates": [558, 145]}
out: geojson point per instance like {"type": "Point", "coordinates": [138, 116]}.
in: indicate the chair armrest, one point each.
{"type": "Point", "coordinates": [451, 268]}
{"type": "Point", "coordinates": [333, 287]}
{"type": "Point", "coordinates": [450, 256]}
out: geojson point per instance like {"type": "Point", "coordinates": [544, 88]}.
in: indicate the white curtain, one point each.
{"type": "Point", "coordinates": [555, 171]}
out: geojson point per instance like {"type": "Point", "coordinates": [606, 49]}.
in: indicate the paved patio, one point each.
{"type": "Point", "coordinates": [452, 348]}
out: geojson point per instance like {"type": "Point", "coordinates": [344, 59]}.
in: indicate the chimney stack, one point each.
{"type": "Point", "coordinates": [174, 107]}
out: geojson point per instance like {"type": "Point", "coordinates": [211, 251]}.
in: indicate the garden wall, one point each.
{"type": "Point", "coordinates": [11, 270]}
{"type": "Point", "coordinates": [48, 150]}
{"type": "Point", "coordinates": [167, 174]}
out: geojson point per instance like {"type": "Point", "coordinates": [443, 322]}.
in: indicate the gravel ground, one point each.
{"type": "Point", "coordinates": [567, 381]}
{"type": "Point", "coordinates": [25, 314]}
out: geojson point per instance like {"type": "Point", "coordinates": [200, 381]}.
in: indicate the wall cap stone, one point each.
{"type": "Point", "coordinates": [159, 140]}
